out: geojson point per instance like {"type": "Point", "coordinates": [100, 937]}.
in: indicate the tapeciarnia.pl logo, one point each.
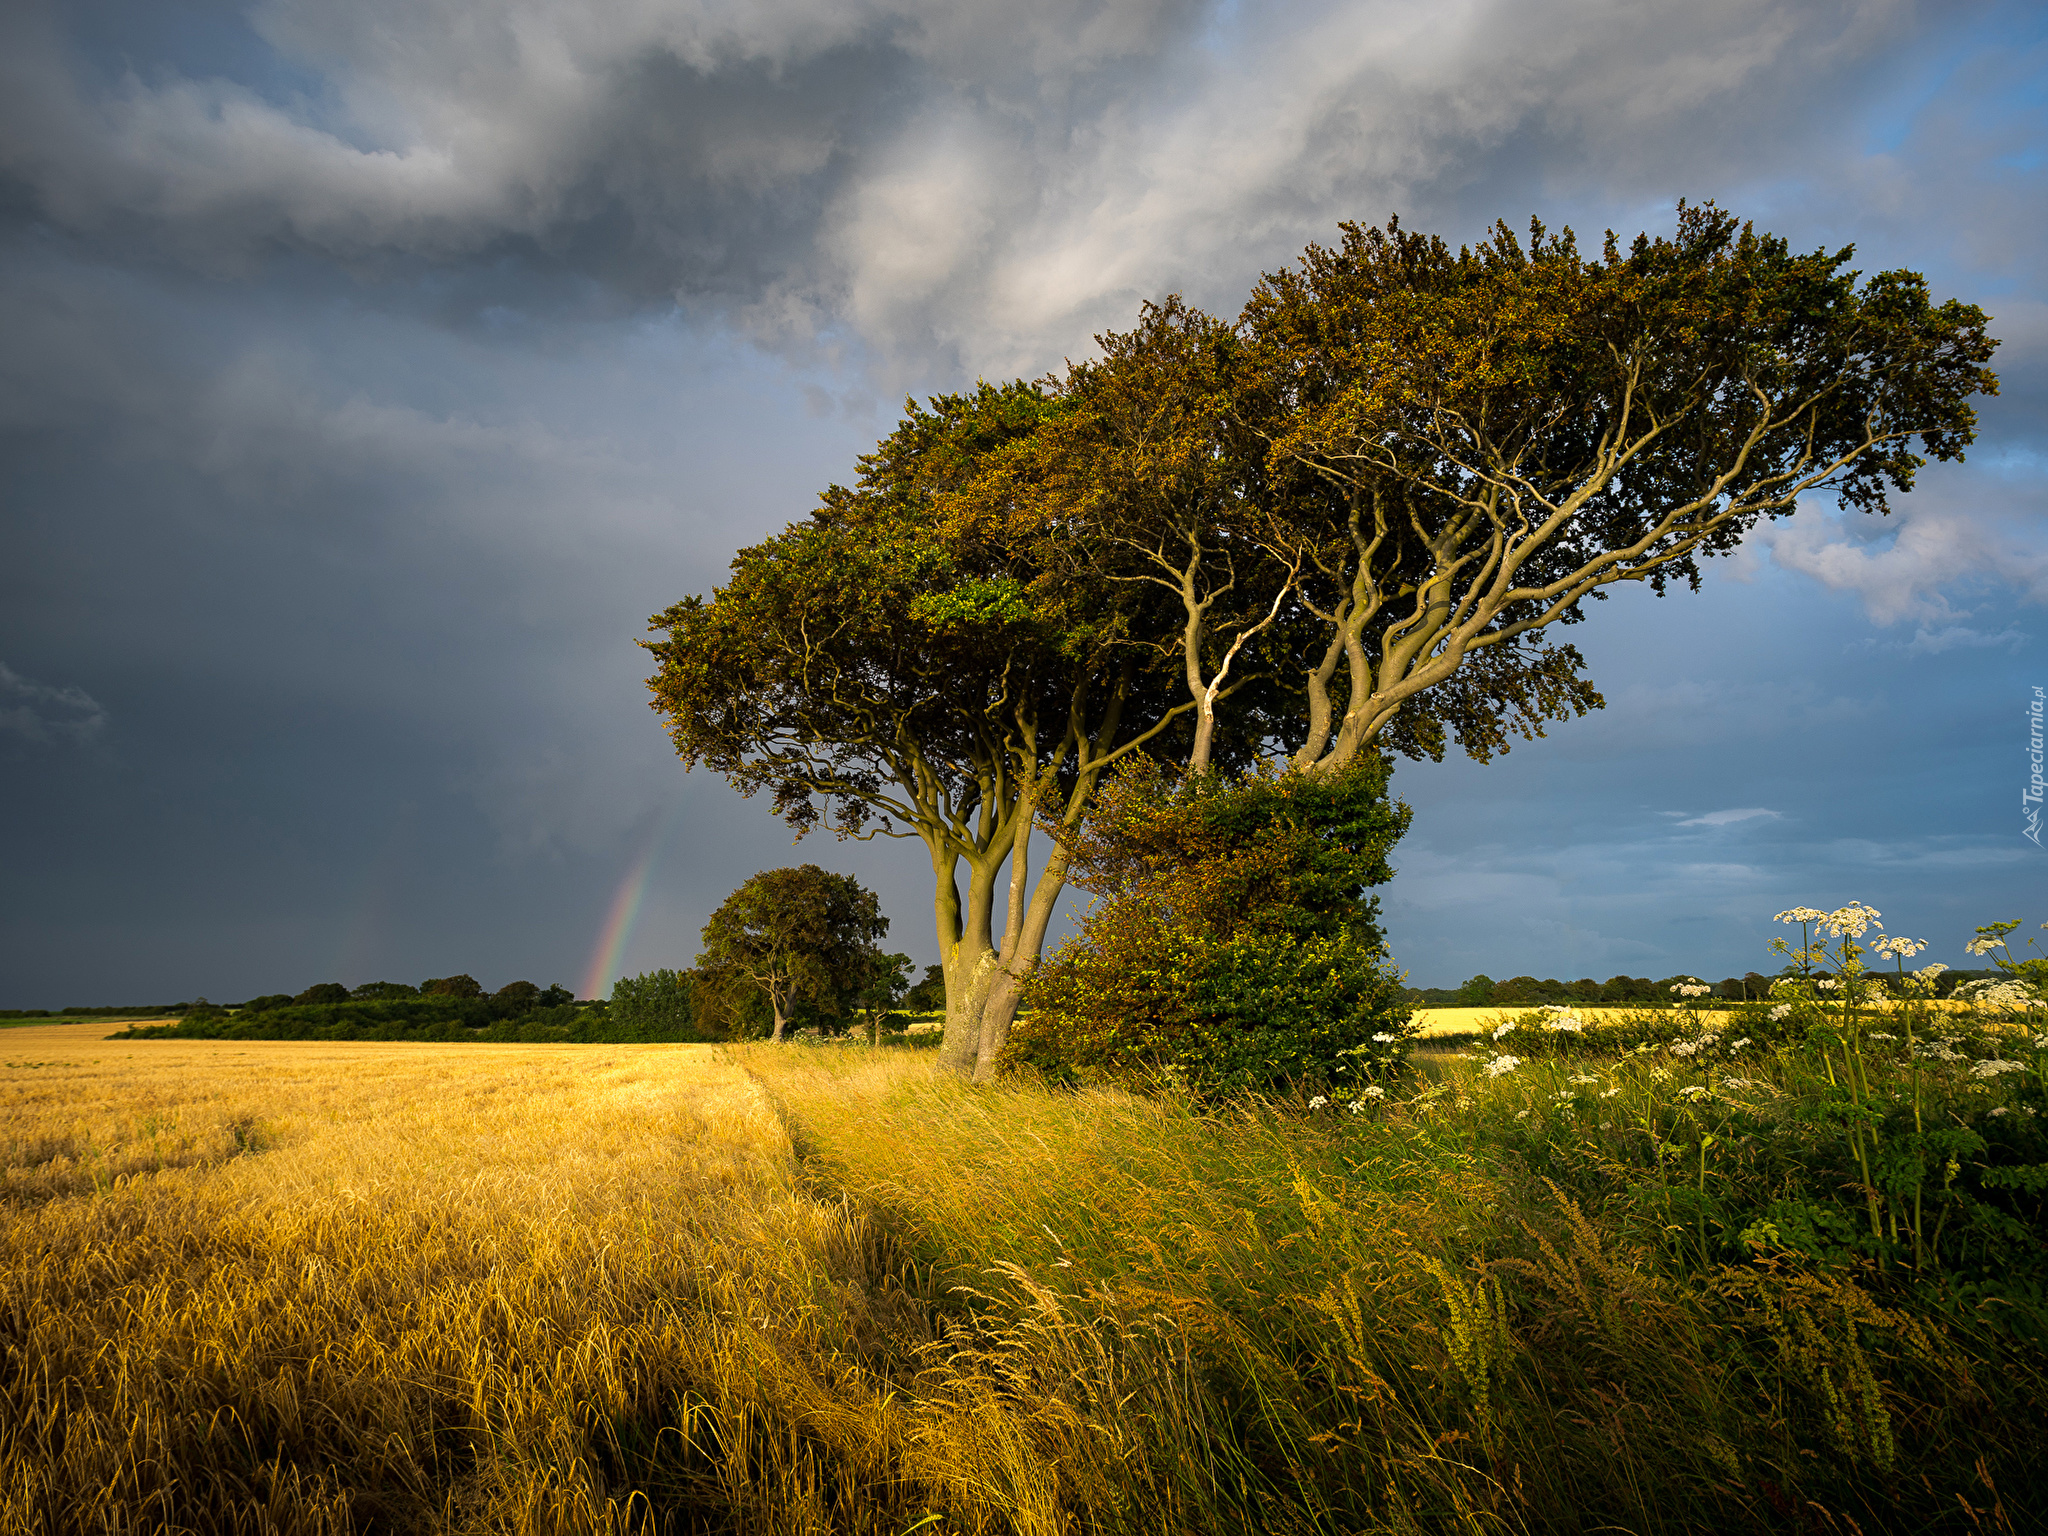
{"type": "Point", "coordinates": [2030, 797]}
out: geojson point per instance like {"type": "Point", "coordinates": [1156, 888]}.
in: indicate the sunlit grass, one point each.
{"type": "Point", "coordinates": [809, 1289]}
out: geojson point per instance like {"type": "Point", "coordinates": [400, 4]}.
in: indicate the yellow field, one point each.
{"type": "Point", "coordinates": [300, 1287]}
{"type": "Point", "coordinates": [1459, 1021]}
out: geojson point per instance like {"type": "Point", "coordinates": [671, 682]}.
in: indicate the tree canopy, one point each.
{"type": "Point", "coordinates": [799, 935]}
{"type": "Point", "coordinates": [1355, 517]}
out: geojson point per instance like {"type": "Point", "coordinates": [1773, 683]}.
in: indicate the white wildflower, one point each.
{"type": "Point", "coordinates": [1691, 986]}
{"type": "Point", "coordinates": [1904, 949]}
{"type": "Point", "coordinates": [1850, 921]}
{"type": "Point", "coordinates": [1693, 1094]}
{"type": "Point", "coordinates": [1827, 983]}
{"type": "Point", "coordinates": [1685, 1047]}
{"type": "Point", "coordinates": [1504, 1029]}
{"type": "Point", "coordinates": [2001, 1110]}
{"type": "Point", "coordinates": [1561, 1019]}
{"type": "Point", "coordinates": [1369, 1091]}
{"type": "Point", "coordinates": [1737, 1082]}
{"type": "Point", "coordinates": [1929, 972]}
{"type": "Point", "coordinates": [1500, 1065]}
{"type": "Point", "coordinates": [1584, 1077]}
{"type": "Point", "coordinates": [1658, 1074]}
{"type": "Point", "coordinates": [1800, 915]}
{"type": "Point", "coordinates": [1780, 1013]}
{"type": "Point", "coordinates": [1994, 1067]}
{"type": "Point", "coordinates": [1521, 1114]}
{"type": "Point", "coordinates": [1610, 1093]}
{"type": "Point", "coordinates": [1386, 1039]}
{"type": "Point", "coordinates": [1736, 1045]}
{"type": "Point", "coordinates": [1317, 1102]}
{"type": "Point", "coordinates": [1983, 946]}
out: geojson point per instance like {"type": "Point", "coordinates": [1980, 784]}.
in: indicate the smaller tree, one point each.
{"type": "Point", "coordinates": [556, 996]}
{"type": "Point", "coordinates": [884, 989]}
{"type": "Point", "coordinates": [929, 995]}
{"type": "Point", "coordinates": [452, 986]}
{"type": "Point", "coordinates": [799, 935]}
{"type": "Point", "coordinates": [323, 992]}
{"type": "Point", "coordinates": [382, 991]}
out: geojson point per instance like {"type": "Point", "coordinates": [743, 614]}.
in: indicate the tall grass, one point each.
{"type": "Point", "coordinates": [326, 1288]}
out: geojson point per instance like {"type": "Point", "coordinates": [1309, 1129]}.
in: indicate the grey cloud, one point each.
{"type": "Point", "coordinates": [45, 716]}
{"type": "Point", "coordinates": [977, 185]}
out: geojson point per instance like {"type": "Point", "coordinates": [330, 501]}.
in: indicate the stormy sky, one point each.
{"type": "Point", "coordinates": [372, 371]}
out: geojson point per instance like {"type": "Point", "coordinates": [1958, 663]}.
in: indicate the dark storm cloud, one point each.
{"type": "Point", "coordinates": [974, 184]}
{"type": "Point", "coordinates": [373, 370]}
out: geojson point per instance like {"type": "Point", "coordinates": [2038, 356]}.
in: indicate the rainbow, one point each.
{"type": "Point", "coordinates": [624, 913]}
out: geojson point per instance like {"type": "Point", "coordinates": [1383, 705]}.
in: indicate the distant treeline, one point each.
{"type": "Point", "coordinates": [1483, 991]}
{"type": "Point", "coordinates": [664, 1006]}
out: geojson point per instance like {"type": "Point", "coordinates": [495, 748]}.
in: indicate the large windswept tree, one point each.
{"type": "Point", "coordinates": [1351, 518]}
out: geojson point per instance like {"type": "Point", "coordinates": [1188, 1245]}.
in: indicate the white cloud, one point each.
{"type": "Point", "coordinates": [1937, 545]}
{"type": "Point", "coordinates": [1725, 819]}
{"type": "Point", "coordinates": [46, 716]}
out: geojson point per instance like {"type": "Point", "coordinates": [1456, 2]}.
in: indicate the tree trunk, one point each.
{"type": "Point", "coordinates": [967, 952]}
{"type": "Point", "coordinates": [1021, 949]}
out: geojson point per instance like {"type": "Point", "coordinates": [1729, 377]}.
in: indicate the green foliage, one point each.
{"type": "Point", "coordinates": [452, 986]}
{"type": "Point", "coordinates": [375, 991]}
{"type": "Point", "coordinates": [657, 1005]}
{"type": "Point", "coordinates": [800, 936]}
{"type": "Point", "coordinates": [434, 1017]}
{"type": "Point", "coordinates": [929, 994]}
{"type": "Point", "coordinates": [1233, 947]}
{"type": "Point", "coordinates": [323, 992]}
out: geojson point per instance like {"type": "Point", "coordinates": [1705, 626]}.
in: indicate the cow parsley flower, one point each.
{"type": "Point", "coordinates": [1780, 1013]}
{"type": "Point", "coordinates": [1849, 922]}
{"type": "Point", "coordinates": [1693, 1094]}
{"type": "Point", "coordinates": [1800, 915]}
{"type": "Point", "coordinates": [1317, 1102]}
{"type": "Point", "coordinates": [1504, 1029]}
{"type": "Point", "coordinates": [1386, 1039]}
{"type": "Point", "coordinates": [1995, 1066]}
{"type": "Point", "coordinates": [1500, 1065]}
{"type": "Point", "coordinates": [1685, 1047]}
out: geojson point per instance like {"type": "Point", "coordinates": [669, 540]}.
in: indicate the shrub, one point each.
{"type": "Point", "coordinates": [452, 986]}
{"type": "Point", "coordinates": [1233, 948]}
{"type": "Point", "coordinates": [323, 992]}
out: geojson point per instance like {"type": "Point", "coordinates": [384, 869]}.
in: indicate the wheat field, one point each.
{"type": "Point", "coordinates": [301, 1288]}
